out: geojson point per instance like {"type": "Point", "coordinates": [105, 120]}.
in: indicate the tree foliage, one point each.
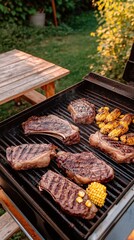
{"type": "Point", "coordinates": [18, 11]}
{"type": "Point", "coordinates": [115, 36]}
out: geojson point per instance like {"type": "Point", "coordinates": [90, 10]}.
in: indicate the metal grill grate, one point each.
{"type": "Point", "coordinates": [26, 182]}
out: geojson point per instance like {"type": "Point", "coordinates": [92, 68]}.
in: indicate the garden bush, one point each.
{"type": "Point", "coordinates": [18, 11]}
{"type": "Point", "coordinates": [114, 36]}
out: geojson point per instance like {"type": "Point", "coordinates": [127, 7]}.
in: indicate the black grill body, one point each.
{"type": "Point", "coordinates": [22, 186]}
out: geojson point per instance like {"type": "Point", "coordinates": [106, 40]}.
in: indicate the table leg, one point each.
{"type": "Point", "coordinates": [49, 89]}
{"type": "Point", "coordinates": [18, 101]}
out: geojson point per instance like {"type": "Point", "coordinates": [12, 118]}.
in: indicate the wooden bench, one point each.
{"type": "Point", "coordinates": [34, 97]}
{"type": "Point", "coordinates": [9, 221]}
{"type": "Point", "coordinates": [7, 226]}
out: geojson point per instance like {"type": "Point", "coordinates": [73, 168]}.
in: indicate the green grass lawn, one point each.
{"type": "Point", "coordinates": [69, 46]}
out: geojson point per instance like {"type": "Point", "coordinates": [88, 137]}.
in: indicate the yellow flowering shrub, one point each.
{"type": "Point", "coordinates": [115, 36]}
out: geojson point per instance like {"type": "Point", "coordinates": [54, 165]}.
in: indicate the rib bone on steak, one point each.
{"type": "Point", "coordinates": [65, 192]}
{"type": "Point", "coordinates": [84, 168]}
{"type": "Point", "coordinates": [27, 156]}
{"type": "Point", "coordinates": [53, 126]}
{"type": "Point", "coordinates": [118, 151]}
{"type": "Point", "coordinates": [82, 111]}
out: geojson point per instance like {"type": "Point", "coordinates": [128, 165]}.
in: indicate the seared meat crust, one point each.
{"type": "Point", "coordinates": [65, 192]}
{"type": "Point", "coordinates": [53, 126]}
{"type": "Point", "coordinates": [118, 151]}
{"type": "Point", "coordinates": [84, 168]}
{"type": "Point", "coordinates": [28, 156]}
{"type": "Point", "coordinates": [82, 111]}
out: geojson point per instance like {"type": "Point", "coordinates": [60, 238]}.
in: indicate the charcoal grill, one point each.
{"type": "Point", "coordinates": [22, 187]}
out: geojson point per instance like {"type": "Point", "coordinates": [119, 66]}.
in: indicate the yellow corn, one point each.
{"type": "Point", "coordinates": [79, 199]}
{"type": "Point", "coordinates": [113, 115]}
{"type": "Point", "coordinates": [81, 193]}
{"type": "Point", "coordinates": [97, 193]}
{"type": "Point", "coordinates": [88, 203]}
{"type": "Point", "coordinates": [102, 114]}
{"type": "Point", "coordinates": [101, 125]}
{"type": "Point", "coordinates": [128, 138]}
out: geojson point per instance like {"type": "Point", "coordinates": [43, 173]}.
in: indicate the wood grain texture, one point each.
{"type": "Point", "coordinates": [34, 97]}
{"type": "Point", "coordinates": [7, 226]}
{"type": "Point", "coordinates": [22, 72]}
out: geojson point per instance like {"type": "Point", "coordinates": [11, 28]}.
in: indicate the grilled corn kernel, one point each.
{"type": "Point", "coordinates": [121, 116]}
{"type": "Point", "coordinates": [81, 194]}
{"type": "Point", "coordinates": [79, 199]}
{"type": "Point", "coordinates": [117, 132]}
{"type": "Point", "coordinates": [128, 138]}
{"type": "Point", "coordinates": [97, 193]}
{"type": "Point", "coordinates": [126, 119]}
{"type": "Point", "coordinates": [88, 203]}
{"type": "Point", "coordinates": [113, 115]}
{"type": "Point", "coordinates": [109, 127]}
{"type": "Point", "coordinates": [103, 109]}
{"type": "Point", "coordinates": [102, 114]}
{"type": "Point", "coordinates": [101, 125]}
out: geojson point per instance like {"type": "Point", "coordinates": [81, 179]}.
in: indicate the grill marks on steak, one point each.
{"type": "Point", "coordinates": [65, 192]}
{"type": "Point", "coordinates": [27, 156]}
{"type": "Point", "coordinates": [53, 126]}
{"type": "Point", "coordinates": [118, 151]}
{"type": "Point", "coordinates": [82, 111]}
{"type": "Point", "coordinates": [84, 168]}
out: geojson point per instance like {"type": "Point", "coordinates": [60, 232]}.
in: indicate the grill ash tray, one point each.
{"type": "Point", "coordinates": [25, 183]}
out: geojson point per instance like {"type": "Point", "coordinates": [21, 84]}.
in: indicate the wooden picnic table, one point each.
{"type": "Point", "coordinates": [21, 74]}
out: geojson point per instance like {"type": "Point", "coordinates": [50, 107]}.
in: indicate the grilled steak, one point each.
{"type": "Point", "coordinates": [118, 151]}
{"type": "Point", "coordinates": [53, 126]}
{"type": "Point", "coordinates": [27, 156]}
{"type": "Point", "coordinates": [65, 192]}
{"type": "Point", "coordinates": [84, 168]}
{"type": "Point", "coordinates": [82, 111]}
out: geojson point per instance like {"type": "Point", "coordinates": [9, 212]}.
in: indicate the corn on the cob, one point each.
{"type": "Point", "coordinates": [97, 193]}
{"type": "Point", "coordinates": [101, 124]}
{"type": "Point", "coordinates": [109, 126]}
{"type": "Point", "coordinates": [113, 115]}
{"type": "Point", "coordinates": [102, 114]}
{"type": "Point", "coordinates": [126, 119]}
{"type": "Point", "coordinates": [128, 138]}
{"type": "Point", "coordinates": [117, 132]}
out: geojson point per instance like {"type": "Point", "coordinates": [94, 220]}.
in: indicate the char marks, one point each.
{"type": "Point", "coordinates": [82, 111]}
{"type": "Point", "coordinates": [84, 167]}
{"type": "Point", "coordinates": [117, 150]}
{"type": "Point", "coordinates": [65, 192]}
{"type": "Point", "coordinates": [27, 156]}
{"type": "Point", "coordinates": [53, 126]}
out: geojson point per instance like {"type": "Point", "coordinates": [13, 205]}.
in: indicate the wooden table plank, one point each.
{"type": "Point", "coordinates": [18, 74]}
{"type": "Point", "coordinates": [9, 53]}
{"type": "Point", "coordinates": [22, 72]}
{"type": "Point", "coordinates": [28, 85]}
{"type": "Point", "coordinates": [13, 56]}
{"type": "Point", "coordinates": [31, 79]}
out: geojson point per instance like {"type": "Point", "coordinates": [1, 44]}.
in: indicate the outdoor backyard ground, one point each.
{"type": "Point", "coordinates": [68, 45]}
